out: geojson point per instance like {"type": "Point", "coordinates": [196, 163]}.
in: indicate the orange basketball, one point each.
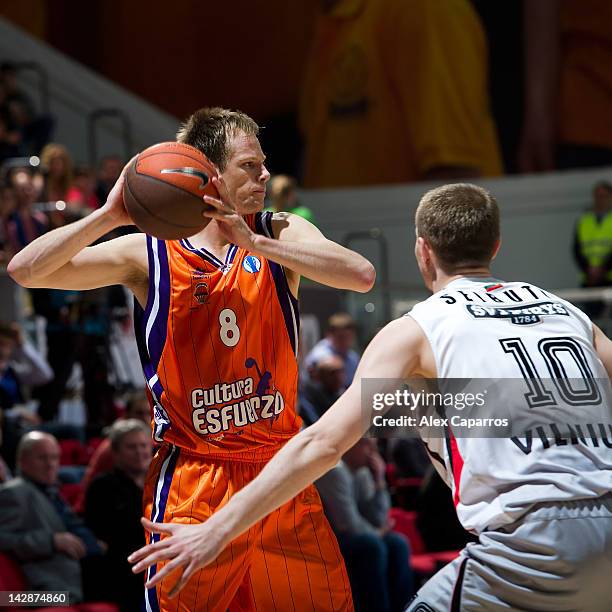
{"type": "Point", "coordinates": [164, 188]}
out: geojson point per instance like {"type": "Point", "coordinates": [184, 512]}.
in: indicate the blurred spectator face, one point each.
{"type": "Point", "coordinates": [25, 189]}
{"type": "Point", "coordinates": [110, 169]}
{"type": "Point", "coordinates": [602, 196]}
{"type": "Point", "coordinates": [330, 373]}
{"type": "Point", "coordinates": [341, 332]}
{"type": "Point", "coordinates": [40, 458]}
{"type": "Point", "coordinates": [283, 194]}
{"type": "Point", "coordinates": [57, 165]}
{"type": "Point", "coordinates": [133, 454]}
{"type": "Point", "coordinates": [359, 455]}
{"type": "Point", "coordinates": [138, 408]}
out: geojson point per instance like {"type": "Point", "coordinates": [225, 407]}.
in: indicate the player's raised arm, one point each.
{"type": "Point", "coordinates": [297, 245]}
{"type": "Point", "coordinates": [395, 353]}
{"type": "Point", "coordinates": [305, 251]}
{"type": "Point", "coordinates": [63, 259]}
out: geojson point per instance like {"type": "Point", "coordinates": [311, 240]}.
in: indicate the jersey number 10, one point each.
{"type": "Point", "coordinates": [552, 350]}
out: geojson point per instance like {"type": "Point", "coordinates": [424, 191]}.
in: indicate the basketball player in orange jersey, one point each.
{"type": "Point", "coordinates": [217, 325]}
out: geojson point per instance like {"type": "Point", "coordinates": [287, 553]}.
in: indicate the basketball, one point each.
{"type": "Point", "coordinates": [164, 188]}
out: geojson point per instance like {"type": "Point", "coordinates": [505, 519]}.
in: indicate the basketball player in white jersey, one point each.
{"type": "Point", "coordinates": [541, 505]}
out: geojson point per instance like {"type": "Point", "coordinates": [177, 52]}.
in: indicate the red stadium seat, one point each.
{"type": "Point", "coordinates": [72, 453]}
{"type": "Point", "coordinates": [72, 493]}
{"type": "Point", "coordinates": [11, 576]}
{"type": "Point", "coordinates": [406, 524]}
{"type": "Point", "coordinates": [90, 449]}
{"type": "Point", "coordinates": [422, 562]}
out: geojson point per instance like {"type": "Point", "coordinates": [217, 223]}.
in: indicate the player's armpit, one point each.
{"type": "Point", "coordinates": [603, 346]}
{"type": "Point", "coordinates": [121, 261]}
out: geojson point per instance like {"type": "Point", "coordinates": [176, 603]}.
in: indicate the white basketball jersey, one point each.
{"type": "Point", "coordinates": [489, 329]}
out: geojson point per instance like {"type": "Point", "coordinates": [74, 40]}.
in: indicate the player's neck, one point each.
{"type": "Point", "coordinates": [443, 279]}
{"type": "Point", "coordinates": [210, 238]}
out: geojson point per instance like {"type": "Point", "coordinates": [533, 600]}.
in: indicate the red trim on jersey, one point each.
{"type": "Point", "coordinates": [457, 463]}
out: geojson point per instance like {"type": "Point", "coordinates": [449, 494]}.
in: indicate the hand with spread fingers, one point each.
{"type": "Point", "coordinates": [233, 226]}
{"type": "Point", "coordinates": [184, 548]}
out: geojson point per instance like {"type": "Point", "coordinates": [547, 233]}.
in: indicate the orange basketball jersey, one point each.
{"type": "Point", "coordinates": [218, 343]}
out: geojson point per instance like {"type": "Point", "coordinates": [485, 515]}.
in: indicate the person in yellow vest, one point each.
{"type": "Point", "coordinates": [395, 91]}
{"type": "Point", "coordinates": [593, 239]}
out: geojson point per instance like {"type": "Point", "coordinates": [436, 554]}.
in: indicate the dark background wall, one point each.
{"type": "Point", "coordinates": [241, 53]}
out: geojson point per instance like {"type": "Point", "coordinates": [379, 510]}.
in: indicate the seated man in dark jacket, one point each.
{"type": "Point", "coordinates": [113, 507]}
{"type": "Point", "coordinates": [37, 527]}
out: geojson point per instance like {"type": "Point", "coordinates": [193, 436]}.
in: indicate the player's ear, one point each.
{"type": "Point", "coordinates": [496, 249]}
{"type": "Point", "coordinates": [423, 250]}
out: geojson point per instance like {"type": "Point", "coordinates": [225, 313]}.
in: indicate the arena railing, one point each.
{"type": "Point", "coordinates": [125, 124]}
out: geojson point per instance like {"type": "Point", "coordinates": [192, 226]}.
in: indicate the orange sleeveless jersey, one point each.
{"type": "Point", "coordinates": [218, 343]}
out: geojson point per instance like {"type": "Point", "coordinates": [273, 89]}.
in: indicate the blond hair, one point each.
{"type": "Point", "coordinates": [209, 130]}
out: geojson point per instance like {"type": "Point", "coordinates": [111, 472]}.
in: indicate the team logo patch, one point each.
{"type": "Point", "coordinates": [200, 293]}
{"type": "Point", "coordinates": [518, 315]}
{"type": "Point", "coordinates": [252, 264]}
{"type": "Point", "coordinates": [200, 288]}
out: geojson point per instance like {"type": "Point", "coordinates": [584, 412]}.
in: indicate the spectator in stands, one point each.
{"type": "Point", "coordinates": [283, 197]}
{"type": "Point", "coordinates": [81, 197]}
{"type": "Point", "coordinates": [102, 460]}
{"type": "Point", "coordinates": [37, 527]}
{"type": "Point", "coordinates": [397, 92]}
{"type": "Point", "coordinates": [593, 239]}
{"type": "Point", "coordinates": [110, 169]}
{"type": "Point", "coordinates": [113, 509]}
{"type": "Point", "coordinates": [57, 166]}
{"type": "Point", "coordinates": [339, 341]}
{"type": "Point", "coordinates": [322, 389]}
{"type": "Point", "coordinates": [357, 504]}
{"type": "Point", "coordinates": [22, 367]}
{"type": "Point", "coordinates": [568, 85]}
{"type": "Point", "coordinates": [34, 129]}
{"type": "Point", "coordinates": [25, 224]}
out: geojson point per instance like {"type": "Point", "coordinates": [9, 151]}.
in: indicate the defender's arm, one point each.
{"type": "Point", "coordinates": [395, 353]}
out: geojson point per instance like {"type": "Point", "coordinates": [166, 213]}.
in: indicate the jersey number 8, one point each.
{"type": "Point", "coordinates": [229, 332]}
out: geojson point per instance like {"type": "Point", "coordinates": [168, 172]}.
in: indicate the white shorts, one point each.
{"type": "Point", "coordinates": [557, 558]}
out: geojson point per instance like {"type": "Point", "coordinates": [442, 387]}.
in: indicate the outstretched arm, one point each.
{"type": "Point", "coordinates": [297, 245]}
{"type": "Point", "coordinates": [304, 251]}
{"type": "Point", "coordinates": [395, 353]}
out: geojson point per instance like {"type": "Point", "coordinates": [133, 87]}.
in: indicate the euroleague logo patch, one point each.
{"type": "Point", "coordinates": [252, 264]}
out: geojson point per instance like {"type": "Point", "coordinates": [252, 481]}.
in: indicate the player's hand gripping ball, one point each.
{"type": "Point", "coordinates": [164, 189]}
